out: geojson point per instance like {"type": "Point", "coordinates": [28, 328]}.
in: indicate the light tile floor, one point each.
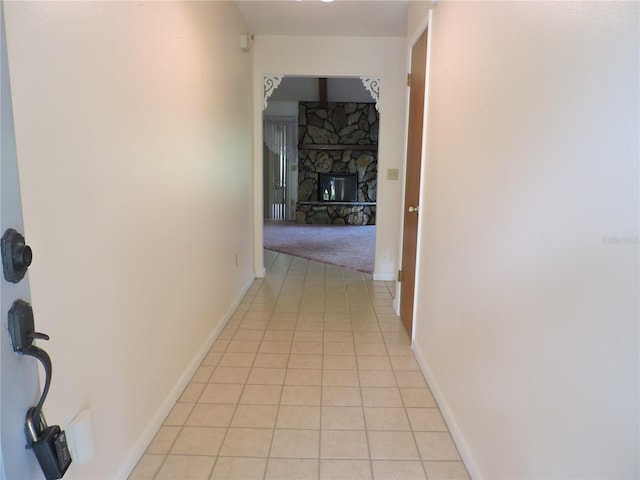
{"type": "Point", "coordinates": [312, 378]}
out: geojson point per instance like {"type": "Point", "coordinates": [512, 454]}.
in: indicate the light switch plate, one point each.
{"type": "Point", "coordinates": [392, 174]}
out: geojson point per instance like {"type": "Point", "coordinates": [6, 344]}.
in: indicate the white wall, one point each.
{"type": "Point", "coordinates": [282, 109]}
{"type": "Point", "coordinates": [133, 124]}
{"type": "Point", "coordinates": [417, 19]}
{"type": "Point", "coordinates": [384, 57]}
{"type": "Point", "coordinates": [527, 311]}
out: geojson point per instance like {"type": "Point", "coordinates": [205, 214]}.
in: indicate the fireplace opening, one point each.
{"type": "Point", "coordinates": [338, 187]}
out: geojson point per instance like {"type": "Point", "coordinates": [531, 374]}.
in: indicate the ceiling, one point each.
{"type": "Point", "coordinates": [354, 18]}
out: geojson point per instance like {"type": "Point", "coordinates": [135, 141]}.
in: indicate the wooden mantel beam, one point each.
{"type": "Point", "coordinates": [322, 87]}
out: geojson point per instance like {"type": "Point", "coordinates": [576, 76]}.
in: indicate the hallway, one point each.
{"type": "Point", "coordinates": [312, 378]}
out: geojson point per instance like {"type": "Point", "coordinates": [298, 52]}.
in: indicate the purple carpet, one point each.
{"type": "Point", "coordinates": [349, 246]}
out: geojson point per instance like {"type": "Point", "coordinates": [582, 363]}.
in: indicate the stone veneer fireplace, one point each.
{"type": "Point", "coordinates": [337, 163]}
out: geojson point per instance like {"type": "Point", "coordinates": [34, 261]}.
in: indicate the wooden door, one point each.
{"type": "Point", "coordinates": [417, 80]}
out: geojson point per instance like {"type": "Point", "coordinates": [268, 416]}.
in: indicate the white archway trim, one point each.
{"type": "Point", "coordinates": [269, 85]}
{"type": "Point", "coordinates": [372, 84]}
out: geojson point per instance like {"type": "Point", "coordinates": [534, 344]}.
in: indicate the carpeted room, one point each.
{"type": "Point", "coordinates": [349, 246]}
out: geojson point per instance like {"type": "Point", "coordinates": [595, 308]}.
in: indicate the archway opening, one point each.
{"type": "Point", "coordinates": [320, 168]}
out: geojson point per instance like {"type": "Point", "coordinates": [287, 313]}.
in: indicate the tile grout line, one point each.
{"type": "Point", "coordinates": [244, 386]}
{"type": "Point", "coordinates": [268, 460]}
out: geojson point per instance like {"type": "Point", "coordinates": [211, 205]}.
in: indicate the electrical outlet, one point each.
{"type": "Point", "coordinates": [392, 174]}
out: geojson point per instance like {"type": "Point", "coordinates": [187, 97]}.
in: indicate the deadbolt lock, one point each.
{"type": "Point", "coordinates": [16, 256]}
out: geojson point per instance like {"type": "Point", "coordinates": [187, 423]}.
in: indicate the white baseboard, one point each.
{"type": "Point", "coordinates": [448, 415]}
{"type": "Point", "coordinates": [383, 277]}
{"type": "Point", "coordinates": [396, 305]}
{"type": "Point", "coordinates": [261, 273]}
{"type": "Point", "coordinates": [145, 439]}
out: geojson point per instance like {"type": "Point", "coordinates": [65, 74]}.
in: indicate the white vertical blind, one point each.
{"type": "Point", "coordinates": [280, 138]}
